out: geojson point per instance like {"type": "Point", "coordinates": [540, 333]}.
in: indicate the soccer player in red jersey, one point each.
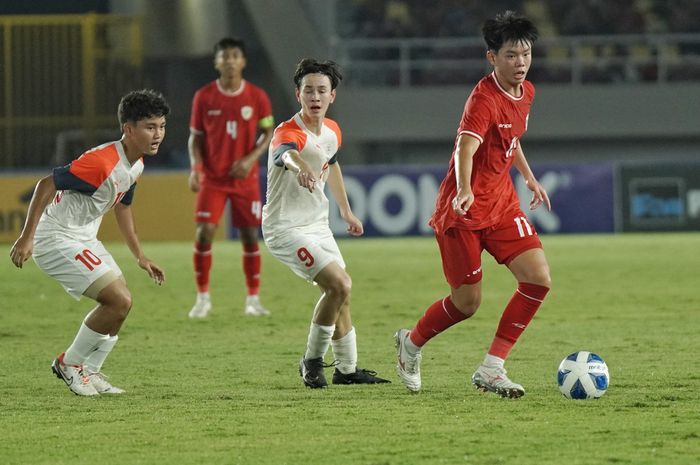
{"type": "Point", "coordinates": [230, 128]}
{"type": "Point", "coordinates": [477, 208]}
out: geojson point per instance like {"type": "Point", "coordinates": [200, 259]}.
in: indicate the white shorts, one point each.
{"type": "Point", "coordinates": [306, 254]}
{"type": "Point", "coordinates": [74, 264]}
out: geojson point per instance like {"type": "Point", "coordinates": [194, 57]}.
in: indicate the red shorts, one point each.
{"type": "Point", "coordinates": [461, 248]}
{"type": "Point", "coordinates": [246, 208]}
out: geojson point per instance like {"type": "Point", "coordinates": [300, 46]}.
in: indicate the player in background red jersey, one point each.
{"type": "Point", "coordinates": [477, 208]}
{"type": "Point", "coordinates": [230, 128]}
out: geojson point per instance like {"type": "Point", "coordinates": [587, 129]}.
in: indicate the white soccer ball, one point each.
{"type": "Point", "coordinates": [583, 375]}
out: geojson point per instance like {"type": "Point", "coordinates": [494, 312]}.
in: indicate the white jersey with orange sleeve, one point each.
{"type": "Point", "coordinates": [88, 188]}
{"type": "Point", "coordinates": [290, 206]}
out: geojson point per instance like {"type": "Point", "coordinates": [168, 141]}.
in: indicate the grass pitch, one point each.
{"type": "Point", "coordinates": [226, 390]}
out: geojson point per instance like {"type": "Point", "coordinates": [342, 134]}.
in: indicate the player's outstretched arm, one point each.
{"type": "Point", "coordinates": [23, 247]}
{"type": "Point", "coordinates": [125, 221]}
{"type": "Point", "coordinates": [294, 163]}
{"type": "Point", "coordinates": [337, 186]}
{"type": "Point", "coordinates": [539, 194]}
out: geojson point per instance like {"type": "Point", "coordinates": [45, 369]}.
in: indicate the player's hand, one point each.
{"type": "Point", "coordinates": [306, 177]}
{"type": "Point", "coordinates": [539, 195]}
{"type": "Point", "coordinates": [355, 227]}
{"type": "Point", "coordinates": [241, 168]}
{"type": "Point", "coordinates": [154, 271]}
{"type": "Point", "coordinates": [21, 251]}
{"type": "Point", "coordinates": [194, 180]}
{"type": "Point", "coordinates": [461, 202]}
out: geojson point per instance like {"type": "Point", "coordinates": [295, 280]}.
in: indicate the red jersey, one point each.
{"type": "Point", "coordinates": [229, 122]}
{"type": "Point", "coordinates": [498, 120]}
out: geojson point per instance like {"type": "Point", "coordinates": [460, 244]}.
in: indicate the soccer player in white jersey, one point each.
{"type": "Point", "coordinates": [60, 232]}
{"type": "Point", "coordinates": [302, 158]}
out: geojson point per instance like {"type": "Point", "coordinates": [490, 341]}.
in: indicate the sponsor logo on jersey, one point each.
{"type": "Point", "coordinates": [214, 112]}
{"type": "Point", "coordinates": [505, 125]}
{"type": "Point", "coordinates": [246, 112]}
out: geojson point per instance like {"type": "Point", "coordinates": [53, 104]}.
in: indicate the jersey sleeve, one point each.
{"type": "Point", "coordinates": [477, 116]}
{"type": "Point", "coordinates": [65, 180]}
{"type": "Point", "coordinates": [129, 196]}
{"type": "Point", "coordinates": [196, 124]}
{"type": "Point", "coordinates": [88, 172]}
{"type": "Point", "coordinates": [333, 126]}
{"type": "Point", "coordinates": [336, 130]}
{"type": "Point", "coordinates": [284, 139]}
{"type": "Point", "coordinates": [267, 120]}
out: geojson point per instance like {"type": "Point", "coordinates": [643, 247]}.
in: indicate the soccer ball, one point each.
{"type": "Point", "coordinates": [583, 375]}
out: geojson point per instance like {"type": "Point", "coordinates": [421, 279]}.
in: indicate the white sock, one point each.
{"type": "Point", "coordinates": [493, 361]}
{"type": "Point", "coordinates": [96, 359]}
{"type": "Point", "coordinates": [345, 352]}
{"type": "Point", "coordinates": [411, 348]}
{"type": "Point", "coordinates": [85, 342]}
{"type": "Point", "coordinates": [203, 296]}
{"type": "Point", "coordinates": [319, 340]}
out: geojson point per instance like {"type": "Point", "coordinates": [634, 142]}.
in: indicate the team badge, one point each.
{"type": "Point", "coordinates": [246, 112]}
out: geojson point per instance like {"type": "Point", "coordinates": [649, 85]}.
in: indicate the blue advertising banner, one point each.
{"type": "Point", "coordinates": [398, 200]}
{"type": "Point", "coordinates": [582, 197]}
{"type": "Point", "coordinates": [660, 197]}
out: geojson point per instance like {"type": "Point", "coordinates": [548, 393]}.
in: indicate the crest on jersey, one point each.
{"type": "Point", "coordinates": [246, 112]}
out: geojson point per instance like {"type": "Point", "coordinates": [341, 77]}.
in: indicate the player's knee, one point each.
{"type": "Point", "coordinates": [124, 304]}
{"type": "Point", "coordinates": [468, 304]}
{"type": "Point", "coordinates": [205, 233]}
{"type": "Point", "coordinates": [540, 276]}
{"type": "Point", "coordinates": [121, 302]}
{"type": "Point", "coordinates": [249, 236]}
{"type": "Point", "coordinates": [342, 287]}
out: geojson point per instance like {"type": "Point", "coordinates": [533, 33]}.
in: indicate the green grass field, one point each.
{"type": "Point", "coordinates": [226, 390]}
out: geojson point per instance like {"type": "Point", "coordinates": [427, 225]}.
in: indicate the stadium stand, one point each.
{"type": "Point", "coordinates": [601, 70]}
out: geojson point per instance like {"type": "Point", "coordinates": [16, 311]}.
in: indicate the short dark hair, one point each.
{"type": "Point", "coordinates": [508, 26]}
{"type": "Point", "coordinates": [312, 66]}
{"type": "Point", "coordinates": [229, 42]}
{"type": "Point", "coordinates": [142, 104]}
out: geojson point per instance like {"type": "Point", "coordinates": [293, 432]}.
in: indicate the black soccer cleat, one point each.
{"type": "Point", "coordinates": [360, 376]}
{"type": "Point", "coordinates": [311, 372]}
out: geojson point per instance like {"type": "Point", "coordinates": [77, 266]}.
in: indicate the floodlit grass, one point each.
{"type": "Point", "coordinates": [226, 389]}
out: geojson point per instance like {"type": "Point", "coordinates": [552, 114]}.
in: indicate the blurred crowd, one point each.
{"type": "Point", "coordinates": [459, 18]}
{"type": "Point", "coordinates": [574, 50]}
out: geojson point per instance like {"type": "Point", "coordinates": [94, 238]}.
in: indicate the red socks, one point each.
{"type": "Point", "coordinates": [202, 265]}
{"type": "Point", "coordinates": [518, 313]}
{"type": "Point", "coordinates": [251, 267]}
{"type": "Point", "coordinates": [516, 316]}
{"type": "Point", "coordinates": [439, 316]}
